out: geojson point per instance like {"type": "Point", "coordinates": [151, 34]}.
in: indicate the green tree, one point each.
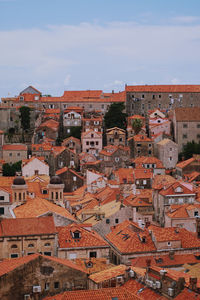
{"type": "Point", "coordinates": [137, 125]}
{"type": "Point", "coordinates": [115, 117]}
{"type": "Point", "coordinates": [75, 131]}
{"type": "Point", "coordinates": [25, 117]}
{"type": "Point", "coordinates": [11, 169]}
{"type": "Point", "coordinates": [189, 149]}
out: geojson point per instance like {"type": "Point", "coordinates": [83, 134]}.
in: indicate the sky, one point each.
{"type": "Point", "coordinates": [58, 45]}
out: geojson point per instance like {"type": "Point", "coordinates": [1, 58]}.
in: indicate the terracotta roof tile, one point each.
{"type": "Point", "coordinates": [119, 293]}
{"type": "Point", "coordinates": [108, 274]}
{"type": "Point", "coordinates": [87, 238]}
{"type": "Point", "coordinates": [15, 147]}
{"type": "Point", "coordinates": [141, 138]}
{"type": "Point", "coordinates": [127, 240]}
{"type": "Point", "coordinates": [27, 226]}
{"type": "Point", "coordinates": [36, 207]}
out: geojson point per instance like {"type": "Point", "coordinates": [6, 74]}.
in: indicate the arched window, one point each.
{"type": "Point", "coordinates": [47, 244]}
{"type": "Point", "coordinates": [31, 245]}
{"type": "Point", "coordinates": [13, 246]}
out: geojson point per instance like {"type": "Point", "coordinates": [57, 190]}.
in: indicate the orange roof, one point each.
{"type": "Point", "coordinates": [26, 161]}
{"type": "Point", "coordinates": [87, 238]}
{"type": "Point", "coordinates": [165, 260]}
{"type": "Point", "coordinates": [134, 201]}
{"type": "Point", "coordinates": [185, 163]}
{"type": "Point", "coordinates": [72, 138]}
{"type": "Point", "coordinates": [98, 264]}
{"type": "Point", "coordinates": [164, 88]}
{"type": "Point", "coordinates": [187, 238]}
{"type": "Point", "coordinates": [124, 175]}
{"type": "Point", "coordinates": [141, 160]}
{"type": "Point", "coordinates": [50, 124]}
{"type": "Point", "coordinates": [186, 294]}
{"type": "Point", "coordinates": [15, 147]}
{"type": "Point", "coordinates": [181, 211]}
{"type": "Point", "coordinates": [27, 226]}
{"type": "Point", "coordinates": [141, 138]}
{"type": "Point", "coordinates": [41, 147]}
{"type": "Point", "coordinates": [118, 293]}
{"type": "Point", "coordinates": [36, 207]}
{"type": "Point", "coordinates": [108, 274]}
{"type": "Point", "coordinates": [125, 238]}
{"type": "Point", "coordinates": [161, 181]}
{"type": "Point", "coordinates": [65, 169]}
{"type": "Point", "coordinates": [142, 291]}
{"type": "Point", "coordinates": [52, 111]}
{"type": "Point", "coordinates": [143, 173]}
{"type": "Point", "coordinates": [187, 188]}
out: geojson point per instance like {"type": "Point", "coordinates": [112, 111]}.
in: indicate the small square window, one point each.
{"type": "Point", "coordinates": [107, 221]}
{"type": "Point", "coordinates": [185, 126]}
{"type": "Point", "coordinates": [143, 96]}
{"type": "Point", "coordinates": [116, 221]}
{"type": "Point", "coordinates": [46, 286]}
{"type": "Point", "coordinates": [168, 243]}
{"type": "Point", "coordinates": [184, 136]}
{"type": "Point", "coordinates": [56, 285]}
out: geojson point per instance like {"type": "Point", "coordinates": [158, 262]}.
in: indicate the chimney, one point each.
{"type": "Point", "coordinates": [193, 283]}
{"type": "Point", "coordinates": [181, 283]}
{"type": "Point", "coordinates": [148, 263]}
{"type": "Point", "coordinates": [171, 254]}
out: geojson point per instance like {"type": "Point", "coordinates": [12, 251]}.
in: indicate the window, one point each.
{"type": "Point", "coordinates": [56, 285]}
{"type": "Point", "coordinates": [47, 253]}
{"type": "Point", "coordinates": [1, 198]}
{"type": "Point", "coordinates": [198, 136]}
{"type": "Point", "coordinates": [44, 192]}
{"type": "Point", "coordinates": [138, 145]}
{"type": "Point", "coordinates": [97, 143]}
{"type": "Point", "coordinates": [102, 106]}
{"type": "Point", "coordinates": [107, 221]}
{"type": "Point", "coordinates": [90, 105]}
{"type": "Point", "coordinates": [159, 96]}
{"type": "Point", "coordinates": [31, 245]}
{"type": "Point", "coordinates": [1, 210]}
{"type": "Point", "coordinates": [74, 178]}
{"type": "Point", "coordinates": [14, 255]}
{"type": "Point", "coordinates": [170, 158]}
{"type": "Point", "coordinates": [77, 235]}
{"type": "Point", "coordinates": [93, 254]}
{"type": "Point", "coordinates": [149, 151]}
{"type": "Point", "coordinates": [116, 221]}
{"type": "Point", "coordinates": [46, 286]}
{"type": "Point", "coordinates": [14, 246]}
{"type": "Point", "coordinates": [198, 125]}
{"type": "Point", "coordinates": [72, 256]}
{"type": "Point", "coordinates": [117, 159]}
{"type": "Point", "coordinates": [153, 96]}
{"type": "Point", "coordinates": [184, 136]}
{"type": "Point", "coordinates": [150, 145]}
{"type": "Point", "coordinates": [142, 106]}
{"type": "Point", "coordinates": [185, 126]}
{"type": "Point", "coordinates": [196, 213]}
{"type": "Point", "coordinates": [143, 96]}
{"type": "Point", "coordinates": [87, 143]}
{"type": "Point", "coordinates": [92, 135]}
{"type": "Point", "coordinates": [47, 244]}
{"type": "Point", "coordinates": [144, 181]}
{"type": "Point", "coordinates": [10, 154]}
{"type": "Point", "coordinates": [168, 243]}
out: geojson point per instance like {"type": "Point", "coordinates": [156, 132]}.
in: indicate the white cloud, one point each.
{"type": "Point", "coordinates": [185, 19]}
{"type": "Point", "coordinates": [94, 56]}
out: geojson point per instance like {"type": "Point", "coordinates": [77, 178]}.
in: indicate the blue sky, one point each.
{"type": "Point", "coordinates": [58, 45]}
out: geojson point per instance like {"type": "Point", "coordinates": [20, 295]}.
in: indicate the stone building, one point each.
{"type": "Point", "coordinates": [167, 152]}
{"type": "Point", "coordinates": [142, 98]}
{"type": "Point", "coordinates": [72, 180]}
{"type": "Point", "coordinates": [116, 136]}
{"type": "Point", "coordinates": [24, 236]}
{"type": "Point", "coordinates": [73, 144]}
{"type": "Point", "coordinates": [114, 157]}
{"type": "Point", "coordinates": [36, 276]}
{"type": "Point", "coordinates": [94, 123]}
{"type": "Point", "coordinates": [13, 153]}
{"type": "Point", "coordinates": [186, 122]}
{"type": "Point", "coordinates": [91, 142]}
{"type": "Point", "coordinates": [34, 166]}
{"type": "Point", "coordinates": [80, 241]}
{"type": "Point", "coordinates": [141, 145]}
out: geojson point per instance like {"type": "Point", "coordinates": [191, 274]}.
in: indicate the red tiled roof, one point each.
{"type": "Point", "coordinates": [65, 169]}
{"type": "Point", "coordinates": [141, 138]}
{"type": "Point", "coordinates": [161, 181]}
{"type": "Point", "coordinates": [187, 238]}
{"type": "Point", "coordinates": [164, 88]}
{"type": "Point", "coordinates": [52, 124]}
{"type": "Point", "coordinates": [171, 190]}
{"type": "Point", "coordinates": [127, 240]}
{"type": "Point", "coordinates": [15, 147]}
{"type": "Point", "coordinates": [118, 293]}
{"type": "Point", "coordinates": [181, 211]}
{"type": "Point", "coordinates": [141, 160]}
{"type": "Point", "coordinates": [185, 163]}
{"type": "Point", "coordinates": [143, 173]}
{"type": "Point", "coordinates": [87, 238]}
{"type": "Point", "coordinates": [165, 260]}
{"type": "Point", "coordinates": [27, 226]}
{"type": "Point", "coordinates": [108, 274]}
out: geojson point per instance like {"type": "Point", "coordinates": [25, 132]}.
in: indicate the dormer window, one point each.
{"type": "Point", "coordinates": [76, 234]}
{"type": "Point", "coordinates": [179, 189]}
